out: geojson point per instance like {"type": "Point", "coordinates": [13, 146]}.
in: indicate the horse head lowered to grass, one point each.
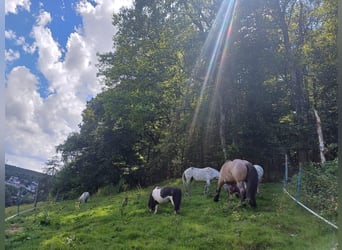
{"type": "Point", "coordinates": [161, 195]}
{"type": "Point", "coordinates": [199, 174]}
{"type": "Point", "coordinates": [238, 172]}
{"type": "Point", "coordinates": [231, 189]}
{"type": "Point", "coordinates": [84, 197]}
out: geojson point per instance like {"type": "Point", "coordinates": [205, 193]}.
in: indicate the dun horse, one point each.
{"type": "Point", "coordinates": [237, 172]}
{"type": "Point", "coordinates": [233, 188]}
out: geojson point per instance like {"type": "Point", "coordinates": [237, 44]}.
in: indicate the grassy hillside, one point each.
{"type": "Point", "coordinates": [277, 223]}
{"type": "Point", "coordinates": [23, 174]}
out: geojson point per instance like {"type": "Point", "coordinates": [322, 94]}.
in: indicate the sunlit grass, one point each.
{"type": "Point", "coordinates": [277, 223]}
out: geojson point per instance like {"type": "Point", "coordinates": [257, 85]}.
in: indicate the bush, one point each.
{"type": "Point", "coordinates": [318, 188]}
{"type": "Point", "coordinates": [113, 189]}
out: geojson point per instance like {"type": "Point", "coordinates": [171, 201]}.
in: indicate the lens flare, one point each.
{"type": "Point", "coordinates": [216, 45]}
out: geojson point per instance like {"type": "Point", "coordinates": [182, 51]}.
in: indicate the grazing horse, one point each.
{"type": "Point", "coordinates": [163, 195]}
{"type": "Point", "coordinates": [199, 174]}
{"type": "Point", "coordinates": [83, 198]}
{"type": "Point", "coordinates": [260, 172]}
{"type": "Point", "coordinates": [231, 189]}
{"type": "Point", "coordinates": [237, 172]}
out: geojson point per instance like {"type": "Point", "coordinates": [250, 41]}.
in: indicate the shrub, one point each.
{"type": "Point", "coordinates": [318, 188]}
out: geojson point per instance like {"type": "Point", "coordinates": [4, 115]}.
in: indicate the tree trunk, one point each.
{"type": "Point", "coordinates": [222, 135]}
{"type": "Point", "coordinates": [296, 73]}
{"type": "Point", "coordinates": [320, 136]}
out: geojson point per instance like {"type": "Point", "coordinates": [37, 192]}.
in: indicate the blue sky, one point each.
{"type": "Point", "coordinates": [50, 49]}
{"type": "Point", "coordinates": [64, 21]}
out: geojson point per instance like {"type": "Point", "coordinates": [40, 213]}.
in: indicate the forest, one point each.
{"type": "Point", "coordinates": [198, 82]}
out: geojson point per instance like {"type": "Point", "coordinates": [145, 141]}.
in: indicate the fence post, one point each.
{"type": "Point", "coordinates": [18, 200]}
{"type": "Point", "coordinates": [298, 181]}
{"type": "Point", "coordinates": [286, 172]}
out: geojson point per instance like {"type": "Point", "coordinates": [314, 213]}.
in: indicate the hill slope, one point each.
{"type": "Point", "coordinates": [22, 173]}
{"type": "Point", "coordinates": [102, 223]}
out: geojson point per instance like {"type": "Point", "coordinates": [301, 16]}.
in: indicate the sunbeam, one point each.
{"type": "Point", "coordinates": [216, 44]}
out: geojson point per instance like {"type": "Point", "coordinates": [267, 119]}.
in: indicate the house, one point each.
{"type": "Point", "coordinates": [14, 181]}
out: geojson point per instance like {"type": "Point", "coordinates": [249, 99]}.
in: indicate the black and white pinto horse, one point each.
{"type": "Point", "coordinates": [199, 174]}
{"type": "Point", "coordinates": [84, 197]}
{"type": "Point", "coordinates": [161, 195]}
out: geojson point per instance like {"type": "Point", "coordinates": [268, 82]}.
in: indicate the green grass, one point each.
{"type": "Point", "coordinates": [102, 223]}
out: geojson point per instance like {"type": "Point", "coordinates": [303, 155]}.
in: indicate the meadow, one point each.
{"type": "Point", "coordinates": [105, 223]}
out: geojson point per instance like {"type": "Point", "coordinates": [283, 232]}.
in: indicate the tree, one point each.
{"type": "Point", "coordinates": [182, 89]}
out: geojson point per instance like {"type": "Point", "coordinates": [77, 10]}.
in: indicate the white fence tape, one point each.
{"type": "Point", "coordinates": [314, 213]}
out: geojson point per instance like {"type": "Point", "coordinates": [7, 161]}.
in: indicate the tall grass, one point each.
{"type": "Point", "coordinates": [105, 223]}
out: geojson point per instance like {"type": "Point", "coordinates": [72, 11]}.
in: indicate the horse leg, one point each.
{"type": "Point", "coordinates": [177, 202]}
{"type": "Point", "coordinates": [173, 204]}
{"type": "Point", "coordinates": [206, 187]}
{"type": "Point", "coordinates": [186, 187]}
{"type": "Point", "coordinates": [218, 190]}
{"type": "Point", "coordinates": [241, 186]}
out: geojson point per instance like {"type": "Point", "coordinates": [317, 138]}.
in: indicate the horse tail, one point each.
{"type": "Point", "coordinates": [183, 178]}
{"type": "Point", "coordinates": [185, 184]}
{"type": "Point", "coordinates": [252, 184]}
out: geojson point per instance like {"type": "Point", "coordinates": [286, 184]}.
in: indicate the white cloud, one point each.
{"type": "Point", "coordinates": [28, 162]}
{"type": "Point", "coordinates": [20, 41]}
{"type": "Point", "coordinates": [23, 135]}
{"type": "Point", "coordinates": [97, 21]}
{"type": "Point", "coordinates": [10, 34]}
{"type": "Point", "coordinates": [35, 124]}
{"type": "Point", "coordinates": [21, 88]}
{"type": "Point", "coordinates": [11, 55]}
{"type": "Point", "coordinates": [12, 6]}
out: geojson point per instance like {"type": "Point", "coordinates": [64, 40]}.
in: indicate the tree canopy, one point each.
{"type": "Point", "coordinates": [197, 82]}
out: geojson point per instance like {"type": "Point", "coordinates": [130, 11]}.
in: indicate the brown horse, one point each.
{"type": "Point", "coordinates": [237, 172]}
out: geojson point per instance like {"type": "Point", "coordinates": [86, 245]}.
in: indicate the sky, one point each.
{"type": "Point", "coordinates": [50, 72]}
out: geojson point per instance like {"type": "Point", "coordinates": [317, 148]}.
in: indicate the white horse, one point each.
{"type": "Point", "coordinates": [260, 171]}
{"type": "Point", "coordinates": [199, 174]}
{"type": "Point", "coordinates": [84, 197]}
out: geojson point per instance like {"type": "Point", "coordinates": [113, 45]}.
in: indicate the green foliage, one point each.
{"type": "Point", "coordinates": [318, 188]}
{"type": "Point", "coordinates": [9, 193]}
{"type": "Point", "coordinates": [43, 219]}
{"type": "Point", "coordinates": [175, 96]}
{"type": "Point", "coordinates": [102, 223]}
{"type": "Point", "coordinates": [112, 189]}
